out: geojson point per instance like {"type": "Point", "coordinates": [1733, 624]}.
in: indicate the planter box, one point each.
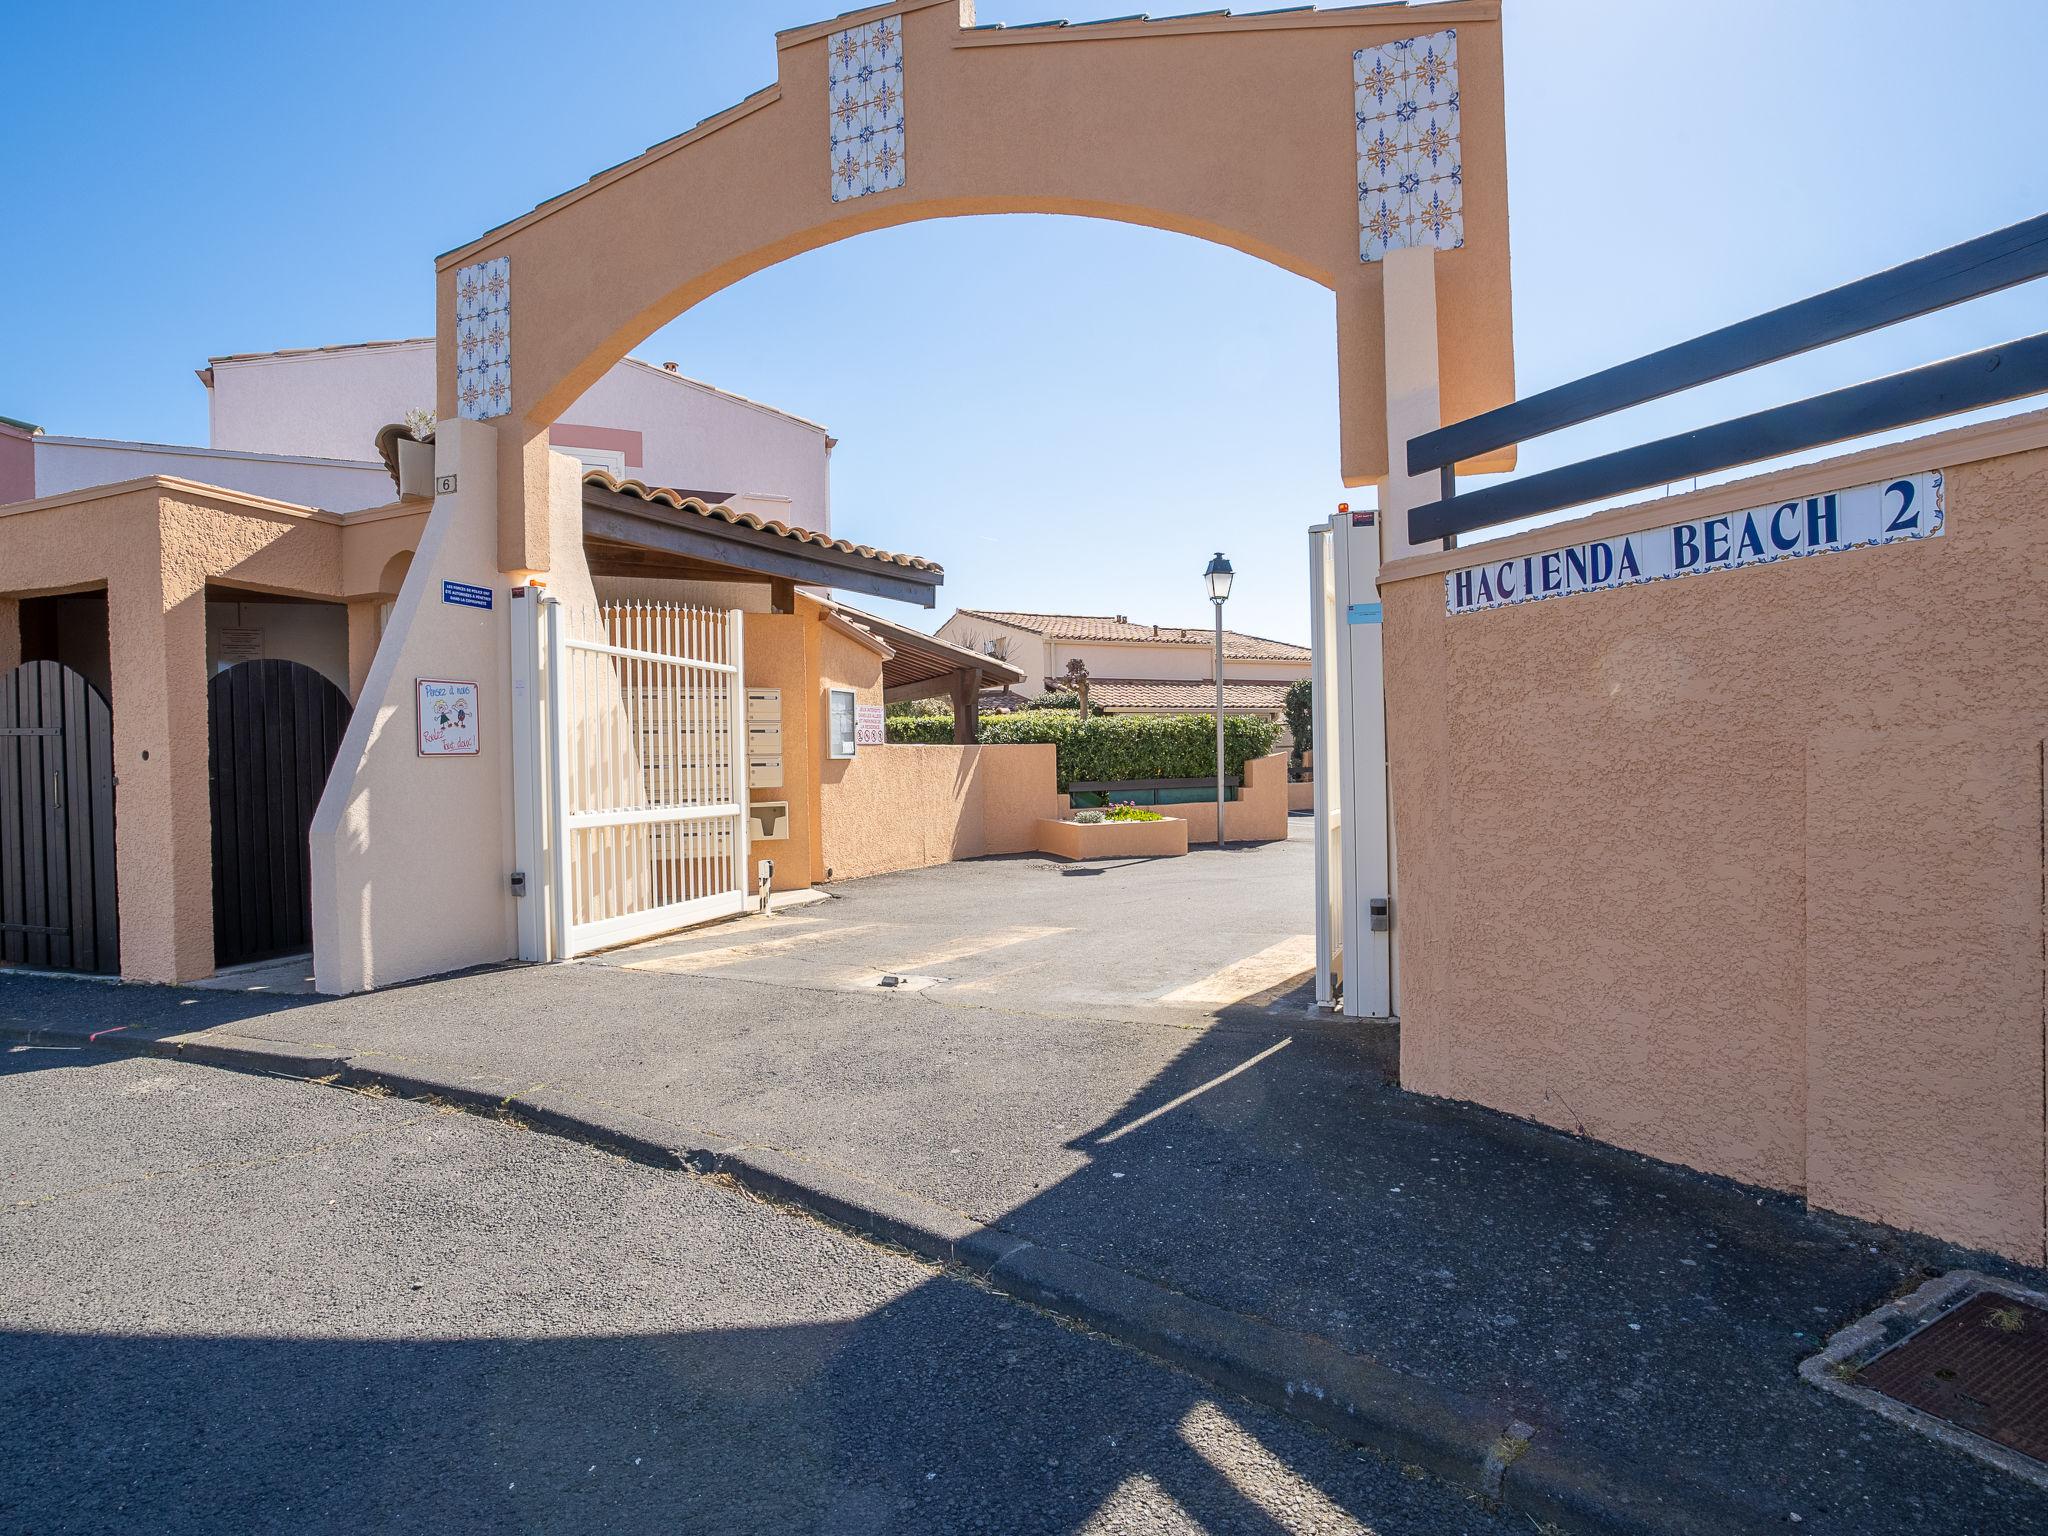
{"type": "Point", "coordinates": [415, 469]}
{"type": "Point", "coordinates": [1163, 839]}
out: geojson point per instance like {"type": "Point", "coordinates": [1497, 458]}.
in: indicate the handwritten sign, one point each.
{"type": "Point", "coordinates": [1888, 512]}
{"type": "Point", "coordinates": [447, 717]}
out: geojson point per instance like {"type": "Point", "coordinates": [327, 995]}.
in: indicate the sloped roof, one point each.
{"type": "Point", "coordinates": [682, 501]}
{"type": "Point", "coordinates": [1119, 629]}
{"type": "Point", "coordinates": [918, 657]}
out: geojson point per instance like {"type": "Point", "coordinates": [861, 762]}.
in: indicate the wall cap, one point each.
{"type": "Point", "coordinates": [172, 484]}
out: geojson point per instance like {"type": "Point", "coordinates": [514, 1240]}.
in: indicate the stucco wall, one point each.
{"type": "Point", "coordinates": [412, 856]}
{"type": "Point", "coordinates": [154, 546]}
{"type": "Point", "coordinates": [701, 438]}
{"type": "Point", "coordinates": [907, 807]}
{"type": "Point", "coordinates": [1745, 870]}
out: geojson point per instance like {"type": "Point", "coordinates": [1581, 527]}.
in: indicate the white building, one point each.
{"type": "Point", "coordinates": [1134, 668]}
{"type": "Point", "coordinates": [301, 426]}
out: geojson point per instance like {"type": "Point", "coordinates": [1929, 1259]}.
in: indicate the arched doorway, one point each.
{"type": "Point", "coordinates": [273, 730]}
{"type": "Point", "coordinates": [57, 898]}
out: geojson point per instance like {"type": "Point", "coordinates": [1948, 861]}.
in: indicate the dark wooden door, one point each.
{"type": "Point", "coordinates": [274, 727]}
{"type": "Point", "coordinates": [57, 907]}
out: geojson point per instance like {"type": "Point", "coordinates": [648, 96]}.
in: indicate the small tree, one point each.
{"type": "Point", "coordinates": [1300, 709]}
{"type": "Point", "coordinates": [1077, 679]}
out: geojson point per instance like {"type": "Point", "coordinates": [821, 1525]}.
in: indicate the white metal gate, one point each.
{"type": "Point", "coordinates": [641, 718]}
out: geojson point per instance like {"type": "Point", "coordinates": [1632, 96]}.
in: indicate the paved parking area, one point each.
{"type": "Point", "coordinates": [1110, 938]}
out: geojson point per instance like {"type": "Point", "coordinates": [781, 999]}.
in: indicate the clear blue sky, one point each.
{"type": "Point", "coordinates": [1073, 414]}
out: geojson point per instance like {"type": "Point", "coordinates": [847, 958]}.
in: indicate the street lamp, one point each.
{"type": "Point", "coordinates": [1218, 577]}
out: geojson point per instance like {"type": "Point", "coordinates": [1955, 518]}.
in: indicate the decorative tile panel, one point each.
{"type": "Point", "coordinates": [1411, 180]}
{"type": "Point", "coordinates": [866, 81]}
{"type": "Point", "coordinates": [483, 339]}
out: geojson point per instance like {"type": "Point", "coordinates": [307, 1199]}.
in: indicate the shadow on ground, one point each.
{"type": "Point", "coordinates": [1266, 1165]}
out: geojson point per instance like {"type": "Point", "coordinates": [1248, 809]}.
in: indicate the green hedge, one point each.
{"type": "Point", "coordinates": [921, 730]}
{"type": "Point", "coordinates": [1113, 749]}
{"type": "Point", "coordinates": [1126, 747]}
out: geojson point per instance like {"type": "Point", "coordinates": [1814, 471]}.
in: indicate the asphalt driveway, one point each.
{"type": "Point", "coordinates": [1103, 1071]}
{"type": "Point", "coordinates": [1144, 938]}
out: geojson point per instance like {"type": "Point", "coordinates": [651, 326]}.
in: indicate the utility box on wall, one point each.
{"type": "Point", "coordinates": [771, 820]}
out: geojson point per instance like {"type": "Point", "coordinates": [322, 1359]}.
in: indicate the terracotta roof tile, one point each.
{"type": "Point", "coordinates": [683, 502]}
{"type": "Point", "coordinates": [1179, 694]}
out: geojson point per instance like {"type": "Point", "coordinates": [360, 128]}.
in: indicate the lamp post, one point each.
{"type": "Point", "coordinates": [1218, 577]}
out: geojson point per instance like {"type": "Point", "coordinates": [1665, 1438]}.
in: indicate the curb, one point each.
{"type": "Point", "coordinates": [1460, 1439]}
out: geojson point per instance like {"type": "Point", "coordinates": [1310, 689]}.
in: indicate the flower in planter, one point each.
{"type": "Point", "coordinates": [420, 423]}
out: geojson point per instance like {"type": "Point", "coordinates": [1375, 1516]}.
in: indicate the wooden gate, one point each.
{"type": "Point", "coordinates": [273, 728]}
{"type": "Point", "coordinates": [57, 907]}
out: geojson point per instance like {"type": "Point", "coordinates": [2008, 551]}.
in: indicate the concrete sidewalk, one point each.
{"type": "Point", "coordinates": [1645, 1322]}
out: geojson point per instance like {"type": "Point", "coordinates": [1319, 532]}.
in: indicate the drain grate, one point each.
{"type": "Point", "coordinates": [1982, 1368]}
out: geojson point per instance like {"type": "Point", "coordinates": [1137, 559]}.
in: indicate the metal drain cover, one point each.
{"type": "Point", "coordinates": [1983, 1367]}
{"type": "Point", "coordinates": [1964, 1358]}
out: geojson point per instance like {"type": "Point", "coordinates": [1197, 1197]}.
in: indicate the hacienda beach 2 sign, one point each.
{"type": "Point", "coordinates": [1884, 513]}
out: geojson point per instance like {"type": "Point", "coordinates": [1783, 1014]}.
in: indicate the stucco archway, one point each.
{"type": "Point", "coordinates": [1239, 130]}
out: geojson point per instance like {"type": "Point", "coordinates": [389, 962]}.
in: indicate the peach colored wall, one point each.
{"type": "Point", "coordinates": [153, 545]}
{"type": "Point", "coordinates": [1744, 870]}
{"type": "Point", "coordinates": [907, 807]}
{"type": "Point", "coordinates": [781, 651]}
{"type": "Point", "coordinates": [1257, 815]}
{"type": "Point", "coordinates": [1118, 121]}
{"type": "Point", "coordinates": [371, 543]}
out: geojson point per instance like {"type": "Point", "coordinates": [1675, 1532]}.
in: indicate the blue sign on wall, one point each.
{"type": "Point", "coordinates": [463, 595]}
{"type": "Point", "coordinates": [1364, 613]}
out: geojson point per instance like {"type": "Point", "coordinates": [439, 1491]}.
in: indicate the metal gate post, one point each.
{"type": "Point", "coordinates": [1325, 735]}
{"type": "Point", "coordinates": [529, 797]}
{"type": "Point", "coordinates": [1362, 766]}
{"type": "Point", "coordinates": [742, 788]}
{"type": "Point", "coordinates": [560, 892]}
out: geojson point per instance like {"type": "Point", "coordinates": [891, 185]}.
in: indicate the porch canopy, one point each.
{"type": "Point", "coordinates": [630, 529]}
{"type": "Point", "coordinates": [924, 667]}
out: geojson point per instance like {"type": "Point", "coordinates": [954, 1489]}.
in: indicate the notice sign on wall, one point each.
{"type": "Point", "coordinates": [870, 725]}
{"type": "Point", "coordinates": [1884, 513]}
{"type": "Point", "coordinates": [447, 717]}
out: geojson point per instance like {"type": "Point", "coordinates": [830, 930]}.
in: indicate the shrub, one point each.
{"type": "Point", "coordinates": [919, 707]}
{"type": "Point", "coordinates": [1126, 747]}
{"type": "Point", "coordinates": [1300, 708]}
{"type": "Point", "coordinates": [1089, 818]}
{"type": "Point", "coordinates": [920, 730]}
